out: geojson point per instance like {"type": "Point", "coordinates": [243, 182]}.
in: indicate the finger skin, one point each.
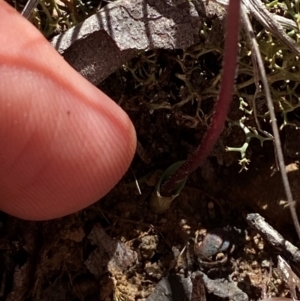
{"type": "Point", "coordinates": [63, 143]}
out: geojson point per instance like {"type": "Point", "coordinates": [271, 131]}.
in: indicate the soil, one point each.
{"type": "Point", "coordinates": [118, 249]}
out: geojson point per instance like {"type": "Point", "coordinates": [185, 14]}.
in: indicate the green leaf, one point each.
{"type": "Point", "coordinates": [158, 203]}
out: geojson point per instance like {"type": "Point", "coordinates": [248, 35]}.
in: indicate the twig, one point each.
{"type": "Point", "coordinates": [271, 22]}
{"type": "Point", "coordinates": [29, 7]}
{"type": "Point", "coordinates": [275, 239]}
{"type": "Point", "coordinates": [261, 14]}
{"type": "Point", "coordinates": [275, 130]}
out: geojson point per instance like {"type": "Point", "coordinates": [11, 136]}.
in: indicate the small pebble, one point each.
{"type": "Point", "coordinates": [214, 242]}
{"type": "Point", "coordinates": [265, 263]}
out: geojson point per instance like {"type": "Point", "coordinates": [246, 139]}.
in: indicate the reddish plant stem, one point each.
{"type": "Point", "coordinates": [221, 107]}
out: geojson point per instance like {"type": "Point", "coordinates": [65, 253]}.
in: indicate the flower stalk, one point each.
{"type": "Point", "coordinates": [222, 106]}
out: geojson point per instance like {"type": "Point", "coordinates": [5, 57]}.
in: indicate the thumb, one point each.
{"type": "Point", "coordinates": [64, 144]}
